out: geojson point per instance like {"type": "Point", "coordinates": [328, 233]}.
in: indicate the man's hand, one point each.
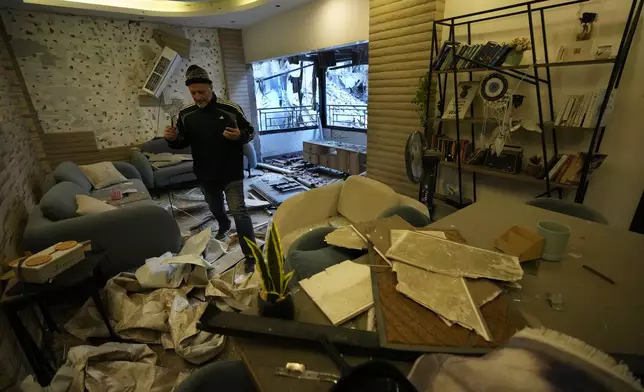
{"type": "Point", "coordinates": [232, 133]}
{"type": "Point", "coordinates": [170, 133]}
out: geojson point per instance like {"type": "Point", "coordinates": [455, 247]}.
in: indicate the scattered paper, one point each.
{"type": "Point", "coordinates": [109, 367]}
{"type": "Point", "coordinates": [453, 259]}
{"type": "Point", "coordinates": [342, 291]}
{"type": "Point", "coordinates": [196, 244]}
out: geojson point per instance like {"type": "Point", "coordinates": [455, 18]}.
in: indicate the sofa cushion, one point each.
{"type": "Point", "coordinates": [69, 171]}
{"type": "Point", "coordinates": [363, 199]}
{"type": "Point", "coordinates": [60, 202]}
{"type": "Point", "coordinates": [88, 205]}
{"type": "Point", "coordinates": [102, 174]}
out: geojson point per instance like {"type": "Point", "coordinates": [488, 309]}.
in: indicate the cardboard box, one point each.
{"type": "Point", "coordinates": [520, 242]}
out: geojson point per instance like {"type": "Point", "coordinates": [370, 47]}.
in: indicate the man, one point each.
{"type": "Point", "coordinates": [217, 130]}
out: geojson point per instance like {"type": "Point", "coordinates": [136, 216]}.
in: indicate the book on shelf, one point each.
{"type": "Point", "coordinates": [449, 148]}
{"type": "Point", "coordinates": [466, 92]}
{"type": "Point", "coordinates": [568, 167]}
{"type": "Point", "coordinates": [555, 169]}
{"type": "Point", "coordinates": [582, 110]}
{"type": "Point", "coordinates": [491, 53]}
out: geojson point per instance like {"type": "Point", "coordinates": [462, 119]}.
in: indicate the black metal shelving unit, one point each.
{"type": "Point", "coordinates": [530, 9]}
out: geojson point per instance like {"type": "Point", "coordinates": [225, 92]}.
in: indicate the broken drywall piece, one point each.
{"type": "Point", "coordinates": [396, 234]}
{"type": "Point", "coordinates": [454, 259]}
{"type": "Point", "coordinates": [342, 291]}
{"type": "Point", "coordinates": [446, 295]}
{"type": "Point", "coordinates": [346, 237]}
{"type": "Point", "coordinates": [482, 290]}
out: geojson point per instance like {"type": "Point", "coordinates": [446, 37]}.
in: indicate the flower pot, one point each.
{"type": "Point", "coordinates": [514, 58]}
{"type": "Point", "coordinates": [534, 170]}
{"type": "Point", "coordinates": [276, 307]}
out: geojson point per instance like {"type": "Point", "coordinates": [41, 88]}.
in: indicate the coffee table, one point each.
{"type": "Point", "coordinates": [83, 278]}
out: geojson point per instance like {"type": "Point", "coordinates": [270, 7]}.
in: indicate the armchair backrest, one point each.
{"type": "Point", "coordinates": [363, 199]}
{"type": "Point", "coordinates": [159, 145]}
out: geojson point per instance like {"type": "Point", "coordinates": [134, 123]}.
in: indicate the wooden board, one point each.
{"type": "Point", "coordinates": [405, 324]}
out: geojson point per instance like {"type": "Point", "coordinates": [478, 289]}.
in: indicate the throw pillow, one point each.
{"type": "Point", "coordinates": [88, 205]}
{"type": "Point", "coordinates": [102, 174]}
{"type": "Point", "coordinates": [59, 202]}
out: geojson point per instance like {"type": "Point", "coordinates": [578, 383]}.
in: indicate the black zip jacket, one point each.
{"type": "Point", "coordinates": [215, 157]}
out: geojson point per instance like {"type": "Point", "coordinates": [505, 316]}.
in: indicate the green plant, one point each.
{"type": "Point", "coordinates": [535, 160]}
{"type": "Point", "coordinates": [420, 100]}
{"type": "Point", "coordinates": [274, 281]}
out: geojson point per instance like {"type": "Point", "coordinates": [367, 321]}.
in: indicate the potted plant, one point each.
{"type": "Point", "coordinates": [274, 298]}
{"type": "Point", "coordinates": [534, 167]}
{"type": "Point", "coordinates": [518, 46]}
{"type": "Point", "coordinates": [420, 99]}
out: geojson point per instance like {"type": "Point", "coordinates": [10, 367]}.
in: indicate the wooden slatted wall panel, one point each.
{"type": "Point", "coordinates": [239, 75]}
{"type": "Point", "coordinates": [399, 45]}
{"type": "Point", "coordinates": [80, 147]}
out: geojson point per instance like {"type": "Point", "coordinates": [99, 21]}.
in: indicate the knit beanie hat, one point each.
{"type": "Point", "coordinates": [196, 74]}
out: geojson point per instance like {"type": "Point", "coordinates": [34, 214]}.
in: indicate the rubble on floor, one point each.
{"type": "Point", "coordinates": [308, 174]}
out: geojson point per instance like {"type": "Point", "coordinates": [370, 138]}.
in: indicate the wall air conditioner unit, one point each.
{"type": "Point", "coordinates": [163, 69]}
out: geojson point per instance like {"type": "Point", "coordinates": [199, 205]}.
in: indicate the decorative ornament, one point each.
{"type": "Point", "coordinates": [587, 19]}
{"type": "Point", "coordinates": [493, 87]}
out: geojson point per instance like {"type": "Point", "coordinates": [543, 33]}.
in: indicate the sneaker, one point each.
{"type": "Point", "coordinates": [222, 233]}
{"type": "Point", "coordinates": [249, 270]}
{"type": "Point", "coordinates": [249, 265]}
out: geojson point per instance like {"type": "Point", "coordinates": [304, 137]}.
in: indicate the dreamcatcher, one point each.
{"type": "Point", "coordinates": [499, 102]}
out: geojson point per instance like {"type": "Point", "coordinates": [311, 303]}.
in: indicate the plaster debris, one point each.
{"type": "Point", "coordinates": [454, 259]}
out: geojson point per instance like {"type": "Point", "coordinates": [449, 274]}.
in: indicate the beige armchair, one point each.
{"type": "Point", "coordinates": [358, 199]}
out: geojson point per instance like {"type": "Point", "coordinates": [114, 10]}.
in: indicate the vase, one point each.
{"type": "Point", "coordinates": [514, 58]}
{"type": "Point", "coordinates": [276, 307]}
{"type": "Point", "coordinates": [534, 170]}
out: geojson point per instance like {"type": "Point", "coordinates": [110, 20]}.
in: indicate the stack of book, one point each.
{"type": "Point", "coordinates": [581, 110]}
{"type": "Point", "coordinates": [449, 148]}
{"type": "Point", "coordinates": [488, 54]}
{"type": "Point", "coordinates": [567, 168]}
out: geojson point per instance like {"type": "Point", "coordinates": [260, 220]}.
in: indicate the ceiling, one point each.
{"type": "Point", "coordinates": [233, 14]}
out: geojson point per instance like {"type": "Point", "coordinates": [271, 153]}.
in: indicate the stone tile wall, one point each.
{"type": "Point", "coordinates": [20, 179]}
{"type": "Point", "coordinates": [86, 73]}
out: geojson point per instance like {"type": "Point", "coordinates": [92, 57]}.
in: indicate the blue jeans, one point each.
{"type": "Point", "coordinates": [214, 192]}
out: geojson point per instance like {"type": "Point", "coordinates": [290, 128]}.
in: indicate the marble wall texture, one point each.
{"type": "Point", "coordinates": [85, 73]}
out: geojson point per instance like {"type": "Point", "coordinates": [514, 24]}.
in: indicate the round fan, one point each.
{"type": "Point", "coordinates": [493, 87]}
{"type": "Point", "coordinates": [414, 151]}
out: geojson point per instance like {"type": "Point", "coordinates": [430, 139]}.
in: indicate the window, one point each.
{"type": "Point", "coordinates": [285, 95]}
{"type": "Point", "coordinates": [346, 96]}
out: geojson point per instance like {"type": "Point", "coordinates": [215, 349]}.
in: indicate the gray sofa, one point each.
{"type": "Point", "coordinates": [176, 175]}
{"type": "Point", "coordinates": [130, 234]}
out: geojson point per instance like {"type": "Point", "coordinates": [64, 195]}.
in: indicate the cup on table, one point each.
{"type": "Point", "coordinates": [556, 236]}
